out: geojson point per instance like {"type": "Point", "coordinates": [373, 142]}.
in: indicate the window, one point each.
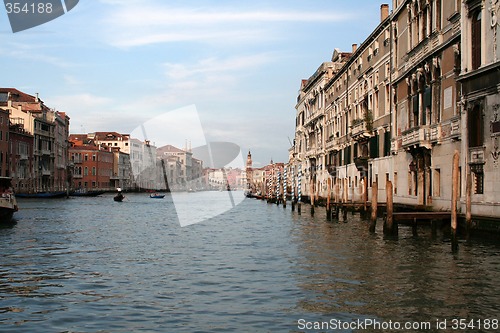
{"type": "Point", "coordinates": [387, 143]}
{"type": "Point", "coordinates": [395, 183]}
{"type": "Point", "coordinates": [415, 109]}
{"type": "Point", "coordinates": [475, 127]}
{"type": "Point", "coordinates": [476, 39]}
{"type": "Point", "coordinates": [478, 182]}
{"type": "Point", "coordinates": [427, 105]}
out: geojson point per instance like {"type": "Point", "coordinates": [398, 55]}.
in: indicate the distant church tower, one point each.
{"type": "Point", "coordinates": [249, 171]}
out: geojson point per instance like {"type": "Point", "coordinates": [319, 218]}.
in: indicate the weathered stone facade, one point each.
{"type": "Point", "coordinates": [423, 85]}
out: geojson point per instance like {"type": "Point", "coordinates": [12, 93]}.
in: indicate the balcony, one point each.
{"type": "Point", "coordinates": [361, 163]}
{"type": "Point", "coordinates": [476, 155]}
{"type": "Point", "coordinates": [332, 169]}
{"type": "Point", "coordinates": [311, 152]}
{"type": "Point", "coordinates": [416, 137]}
{"type": "Point", "coordinates": [449, 129]}
{"type": "Point", "coordinates": [360, 129]}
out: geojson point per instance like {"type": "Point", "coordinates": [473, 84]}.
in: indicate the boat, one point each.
{"type": "Point", "coordinates": [8, 203]}
{"type": "Point", "coordinates": [156, 196]}
{"type": "Point", "coordinates": [119, 197]}
{"type": "Point", "coordinates": [82, 192]}
{"type": "Point", "coordinates": [42, 195]}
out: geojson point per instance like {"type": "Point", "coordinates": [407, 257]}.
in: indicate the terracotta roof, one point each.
{"type": "Point", "coordinates": [170, 149]}
{"type": "Point", "coordinates": [109, 135]}
{"type": "Point", "coordinates": [18, 96]}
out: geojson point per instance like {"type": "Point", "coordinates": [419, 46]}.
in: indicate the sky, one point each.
{"type": "Point", "coordinates": [114, 65]}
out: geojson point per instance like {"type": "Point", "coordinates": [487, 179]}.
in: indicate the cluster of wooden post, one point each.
{"type": "Point", "coordinates": [340, 200]}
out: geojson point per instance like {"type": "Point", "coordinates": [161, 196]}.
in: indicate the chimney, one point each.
{"type": "Point", "coordinates": [354, 47]}
{"type": "Point", "coordinates": [384, 12]}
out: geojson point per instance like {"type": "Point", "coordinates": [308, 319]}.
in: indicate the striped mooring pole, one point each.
{"type": "Point", "coordinates": [269, 187]}
{"type": "Point", "coordinates": [293, 188]}
{"type": "Point", "coordinates": [278, 183]}
{"type": "Point", "coordinates": [284, 188]}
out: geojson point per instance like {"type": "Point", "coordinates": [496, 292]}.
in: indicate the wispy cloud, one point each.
{"type": "Point", "coordinates": [216, 65]}
{"type": "Point", "coordinates": [33, 53]}
{"type": "Point", "coordinates": [143, 24]}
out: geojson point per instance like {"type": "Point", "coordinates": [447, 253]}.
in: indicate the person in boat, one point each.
{"type": "Point", "coordinates": [119, 196]}
{"type": "Point", "coordinates": [6, 192]}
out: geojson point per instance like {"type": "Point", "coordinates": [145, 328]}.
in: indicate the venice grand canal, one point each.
{"type": "Point", "coordinates": [93, 265]}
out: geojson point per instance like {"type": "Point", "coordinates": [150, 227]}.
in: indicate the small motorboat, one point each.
{"type": "Point", "coordinates": [156, 196]}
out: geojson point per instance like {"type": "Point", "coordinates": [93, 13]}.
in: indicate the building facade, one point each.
{"type": "Point", "coordinates": [92, 165]}
{"type": "Point", "coordinates": [423, 85]}
{"type": "Point", "coordinates": [479, 78]}
{"type": "Point", "coordinates": [49, 129]}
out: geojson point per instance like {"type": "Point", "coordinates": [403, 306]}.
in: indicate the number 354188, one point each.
{"type": "Point", "coordinates": [25, 8]}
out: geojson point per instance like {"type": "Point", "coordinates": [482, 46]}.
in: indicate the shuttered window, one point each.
{"type": "Point", "coordinates": [476, 39]}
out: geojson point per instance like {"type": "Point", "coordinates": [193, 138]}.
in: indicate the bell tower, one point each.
{"type": "Point", "coordinates": [249, 171]}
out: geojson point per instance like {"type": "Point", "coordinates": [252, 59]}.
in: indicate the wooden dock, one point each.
{"type": "Point", "coordinates": [413, 217]}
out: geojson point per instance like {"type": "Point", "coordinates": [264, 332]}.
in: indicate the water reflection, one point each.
{"type": "Point", "coordinates": [87, 266]}
{"type": "Point", "coordinates": [411, 278]}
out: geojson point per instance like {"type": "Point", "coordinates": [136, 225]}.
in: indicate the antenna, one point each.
{"type": "Point", "coordinates": [291, 145]}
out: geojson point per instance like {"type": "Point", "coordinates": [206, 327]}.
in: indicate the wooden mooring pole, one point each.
{"type": "Point", "coordinates": [299, 190]}
{"type": "Point", "coordinates": [365, 194]}
{"type": "Point", "coordinates": [337, 201]}
{"type": "Point", "coordinates": [311, 196]}
{"type": "Point", "coordinates": [374, 207]}
{"type": "Point", "coordinates": [328, 208]}
{"type": "Point", "coordinates": [454, 200]}
{"type": "Point", "coordinates": [468, 206]}
{"type": "Point", "coordinates": [346, 198]}
{"type": "Point", "coordinates": [389, 227]}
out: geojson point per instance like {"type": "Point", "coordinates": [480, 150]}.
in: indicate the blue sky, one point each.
{"type": "Point", "coordinates": [113, 64]}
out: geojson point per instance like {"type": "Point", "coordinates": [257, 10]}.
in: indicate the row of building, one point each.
{"type": "Point", "coordinates": [39, 154]}
{"type": "Point", "coordinates": [424, 84]}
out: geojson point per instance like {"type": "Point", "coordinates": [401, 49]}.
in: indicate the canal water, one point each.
{"type": "Point", "coordinates": [94, 265]}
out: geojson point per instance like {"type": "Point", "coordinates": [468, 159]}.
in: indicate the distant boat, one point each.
{"type": "Point", "coordinates": [42, 195]}
{"type": "Point", "coordinates": [156, 196]}
{"type": "Point", "coordinates": [8, 203]}
{"type": "Point", "coordinates": [86, 193]}
{"type": "Point", "coordinates": [119, 197]}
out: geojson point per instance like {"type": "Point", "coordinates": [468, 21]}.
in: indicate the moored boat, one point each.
{"type": "Point", "coordinates": [42, 195]}
{"type": "Point", "coordinates": [86, 193]}
{"type": "Point", "coordinates": [8, 203]}
{"type": "Point", "coordinates": [156, 196]}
